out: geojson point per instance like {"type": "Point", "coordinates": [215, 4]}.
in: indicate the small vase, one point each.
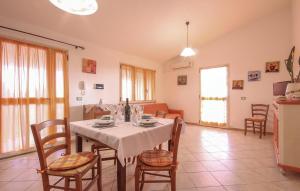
{"type": "Point", "coordinates": [293, 90]}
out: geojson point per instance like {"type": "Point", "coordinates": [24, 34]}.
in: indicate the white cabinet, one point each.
{"type": "Point", "coordinates": [287, 134]}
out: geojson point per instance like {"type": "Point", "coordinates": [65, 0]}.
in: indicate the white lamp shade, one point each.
{"type": "Point", "coordinates": [187, 52]}
{"type": "Point", "coordinates": [77, 7]}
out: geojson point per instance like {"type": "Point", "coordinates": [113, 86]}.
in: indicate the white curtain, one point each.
{"type": "Point", "coordinates": [214, 92]}
{"type": "Point", "coordinates": [24, 84]}
{"type": "Point", "coordinates": [33, 89]}
{"type": "Point", "coordinates": [127, 82]}
{"type": "Point", "coordinates": [137, 84]}
{"type": "Point", "coordinates": [150, 84]}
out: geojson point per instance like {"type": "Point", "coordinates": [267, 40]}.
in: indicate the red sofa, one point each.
{"type": "Point", "coordinates": [152, 108]}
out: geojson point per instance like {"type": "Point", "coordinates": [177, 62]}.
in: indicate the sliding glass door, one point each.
{"type": "Point", "coordinates": [214, 96]}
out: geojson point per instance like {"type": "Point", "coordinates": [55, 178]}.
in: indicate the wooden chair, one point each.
{"type": "Point", "coordinates": [93, 112]}
{"type": "Point", "coordinates": [258, 120]}
{"type": "Point", "coordinates": [153, 161]}
{"type": "Point", "coordinates": [69, 167]}
{"type": "Point", "coordinates": [160, 114]}
{"type": "Point", "coordinates": [99, 147]}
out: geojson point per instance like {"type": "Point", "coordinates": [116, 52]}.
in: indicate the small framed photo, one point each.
{"type": "Point", "coordinates": [238, 84]}
{"type": "Point", "coordinates": [272, 66]}
{"type": "Point", "coordinates": [89, 66]}
{"type": "Point", "coordinates": [182, 80]}
{"type": "Point", "coordinates": [254, 76]}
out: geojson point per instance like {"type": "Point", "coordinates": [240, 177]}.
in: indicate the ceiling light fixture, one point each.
{"type": "Point", "coordinates": [77, 7]}
{"type": "Point", "coordinates": [187, 51]}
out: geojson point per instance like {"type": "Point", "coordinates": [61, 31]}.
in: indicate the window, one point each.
{"type": "Point", "coordinates": [137, 84]}
{"type": "Point", "coordinates": [33, 88]}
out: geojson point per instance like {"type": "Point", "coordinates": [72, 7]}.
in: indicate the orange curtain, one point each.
{"type": "Point", "coordinates": [33, 89]}
{"type": "Point", "coordinates": [150, 84]}
{"type": "Point", "coordinates": [137, 84]}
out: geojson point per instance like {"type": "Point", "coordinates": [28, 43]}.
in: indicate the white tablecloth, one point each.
{"type": "Point", "coordinates": [127, 139]}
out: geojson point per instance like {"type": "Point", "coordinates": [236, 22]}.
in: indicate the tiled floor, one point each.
{"type": "Point", "coordinates": [209, 160]}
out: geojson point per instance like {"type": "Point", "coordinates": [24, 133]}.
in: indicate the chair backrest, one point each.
{"type": "Point", "coordinates": [260, 110]}
{"type": "Point", "coordinates": [174, 142]}
{"type": "Point", "coordinates": [44, 150]}
{"type": "Point", "coordinates": [161, 114]}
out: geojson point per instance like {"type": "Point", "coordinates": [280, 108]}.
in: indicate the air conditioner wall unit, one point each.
{"type": "Point", "coordinates": [183, 64]}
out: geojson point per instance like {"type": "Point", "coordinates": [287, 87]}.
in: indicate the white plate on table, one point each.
{"type": "Point", "coordinates": [148, 122]}
{"type": "Point", "coordinates": [103, 122]}
{"type": "Point", "coordinates": [146, 116]}
{"type": "Point", "coordinates": [100, 125]}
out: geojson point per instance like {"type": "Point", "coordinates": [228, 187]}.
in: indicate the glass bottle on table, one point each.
{"type": "Point", "coordinates": [127, 111]}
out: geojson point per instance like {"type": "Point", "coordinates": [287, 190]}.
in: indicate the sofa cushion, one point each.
{"type": "Point", "coordinates": [154, 107]}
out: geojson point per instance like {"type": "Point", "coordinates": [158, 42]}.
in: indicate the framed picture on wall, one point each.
{"type": "Point", "coordinates": [89, 66]}
{"type": "Point", "coordinates": [182, 80]}
{"type": "Point", "coordinates": [254, 76]}
{"type": "Point", "coordinates": [238, 84]}
{"type": "Point", "coordinates": [272, 66]}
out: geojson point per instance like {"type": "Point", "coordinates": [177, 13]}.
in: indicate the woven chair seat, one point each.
{"type": "Point", "coordinates": [256, 119]}
{"type": "Point", "coordinates": [75, 171]}
{"type": "Point", "coordinates": [73, 161]}
{"type": "Point", "coordinates": [157, 158]}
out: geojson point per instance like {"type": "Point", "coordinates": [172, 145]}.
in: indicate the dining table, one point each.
{"type": "Point", "coordinates": [128, 138]}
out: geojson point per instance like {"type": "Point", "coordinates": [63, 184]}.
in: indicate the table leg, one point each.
{"type": "Point", "coordinates": [78, 143]}
{"type": "Point", "coordinates": [121, 175]}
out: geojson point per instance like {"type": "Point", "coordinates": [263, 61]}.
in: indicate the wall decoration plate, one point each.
{"type": "Point", "coordinates": [254, 76]}
{"type": "Point", "coordinates": [238, 84]}
{"type": "Point", "coordinates": [272, 66]}
{"type": "Point", "coordinates": [89, 66]}
{"type": "Point", "coordinates": [182, 80]}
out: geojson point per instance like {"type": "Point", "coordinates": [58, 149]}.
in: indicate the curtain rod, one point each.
{"type": "Point", "coordinates": [40, 36]}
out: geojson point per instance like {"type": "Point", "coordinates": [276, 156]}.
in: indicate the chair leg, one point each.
{"type": "Point", "coordinates": [137, 178]}
{"type": "Point", "coordinates": [78, 183]}
{"type": "Point", "coordinates": [45, 179]}
{"type": "Point", "coordinates": [173, 180]}
{"type": "Point", "coordinates": [93, 172]}
{"type": "Point", "coordinates": [115, 160]}
{"type": "Point", "coordinates": [142, 182]}
{"type": "Point", "coordinates": [67, 184]}
{"type": "Point", "coordinates": [265, 126]}
{"type": "Point", "coordinates": [133, 160]}
{"type": "Point", "coordinates": [260, 127]}
{"type": "Point", "coordinates": [93, 169]}
{"type": "Point", "coordinates": [245, 131]}
{"type": "Point", "coordinates": [99, 172]}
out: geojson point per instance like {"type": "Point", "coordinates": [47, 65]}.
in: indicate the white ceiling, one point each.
{"type": "Point", "coordinates": [154, 29]}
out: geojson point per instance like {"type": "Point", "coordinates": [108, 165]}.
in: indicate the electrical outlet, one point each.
{"type": "Point", "coordinates": [243, 98]}
{"type": "Point", "coordinates": [78, 98]}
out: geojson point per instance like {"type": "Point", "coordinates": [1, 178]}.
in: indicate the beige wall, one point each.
{"type": "Point", "coordinates": [247, 49]}
{"type": "Point", "coordinates": [107, 66]}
